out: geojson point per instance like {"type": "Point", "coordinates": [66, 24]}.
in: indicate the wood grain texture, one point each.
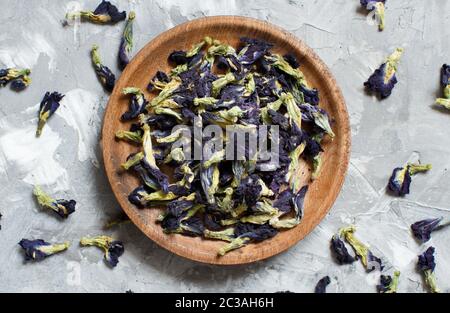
{"type": "Point", "coordinates": [322, 192]}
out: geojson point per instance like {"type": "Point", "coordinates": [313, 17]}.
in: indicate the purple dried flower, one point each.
{"type": "Point", "coordinates": [104, 74]}
{"type": "Point", "coordinates": [383, 80]}
{"type": "Point", "coordinates": [49, 105]}
{"type": "Point", "coordinates": [126, 42]}
{"type": "Point", "coordinates": [322, 284]}
{"type": "Point", "coordinates": [38, 249]}
{"type": "Point", "coordinates": [427, 265]}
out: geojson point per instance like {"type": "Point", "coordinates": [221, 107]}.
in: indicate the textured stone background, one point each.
{"type": "Point", "coordinates": [67, 158]}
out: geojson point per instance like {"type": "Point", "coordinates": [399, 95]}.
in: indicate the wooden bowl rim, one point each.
{"type": "Point", "coordinates": [275, 31]}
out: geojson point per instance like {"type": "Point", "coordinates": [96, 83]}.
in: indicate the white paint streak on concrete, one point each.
{"type": "Point", "coordinates": [79, 109]}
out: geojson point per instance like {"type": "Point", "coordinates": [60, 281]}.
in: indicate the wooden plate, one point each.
{"type": "Point", "coordinates": [322, 192]}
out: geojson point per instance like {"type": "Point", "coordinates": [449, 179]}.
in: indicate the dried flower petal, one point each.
{"type": "Point", "coordinates": [38, 249]}
{"type": "Point", "coordinates": [126, 42]}
{"type": "Point", "coordinates": [105, 13]}
{"type": "Point", "coordinates": [422, 229]}
{"type": "Point", "coordinates": [19, 78]}
{"type": "Point", "coordinates": [113, 249]}
{"type": "Point", "coordinates": [369, 261]}
{"type": "Point", "coordinates": [48, 106]}
{"type": "Point", "coordinates": [104, 74]}
{"type": "Point", "coordinates": [400, 179]}
{"type": "Point", "coordinates": [62, 207]}
{"type": "Point", "coordinates": [427, 264]}
{"type": "Point", "coordinates": [321, 286]}
{"type": "Point", "coordinates": [378, 6]}
{"type": "Point", "coordinates": [383, 80]}
{"type": "Point", "coordinates": [388, 284]}
{"type": "Point", "coordinates": [340, 251]}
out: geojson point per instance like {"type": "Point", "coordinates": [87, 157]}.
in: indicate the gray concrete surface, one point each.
{"type": "Point", "coordinates": [67, 158]}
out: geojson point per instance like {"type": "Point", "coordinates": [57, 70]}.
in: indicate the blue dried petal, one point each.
{"type": "Point", "coordinates": [18, 84]}
{"type": "Point", "coordinates": [383, 80]}
{"type": "Point", "coordinates": [445, 75]}
{"type": "Point", "coordinates": [126, 42]}
{"type": "Point", "coordinates": [222, 63]}
{"type": "Point", "coordinates": [158, 176]}
{"type": "Point", "coordinates": [279, 119]}
{"type": "Point", "coordinates": [193, 226]}
{"type": "Point", "coordinates": [115, 250]}
{"type": "Point", "coordinates": [163, 121]}
{"type": "Point", "coordinates": [136, 196]}
{"type": "Point", "coordinates": [176, 207]}
{"type": "Point", "coordinates": [253, 50]}
{"type": "Point", "coordinates": [146, 178]}
{"type": "Point", "coordinates": [373, 262]}
{"type": "Point", "coordinates": [137, 104]}
{"type": "Point", "coordinates": [255, 232]}
{"type": "Point", "coordinates": [422, 229]}
{"type": "Point", "coordinates": [39, 249]}
{"type": "Point", "coordinates": [340, 251]}
{"type": "Point", "coordinates": [110, 11]}
{"type": "Point", "coordinates": [178, 57]}
{"type": "Point", "coordinates": [298, 200]}
{"type": "Point", "coordinates": [321, 286]}
{"type": "Point", "coordinates": [426, 264]}
{"type": "Point", "coordinates": [179, 190]}
{"type": "Point", "coordinates": [313, 147]}
{"type": "Point", "coordinates": [426, 260]}
{"type": "Point", "coordinates": [104, 74]}
{"type": "Point", "coordinates": [388, 284]}
{"type": "Point", "coordinates": [292, 60]}
{"type": "Point", "coordinates": [310, 95]}
{"type": "Point", "coordinates": [65, 207]}
{"type": "Point", "coordinates": [377, 84]}
{"type": "Point", "coordinates": [400, 181]}
{"type": "Point", "coordinates": [48, 106]}
{"type": "Point", "coordinates": [284, 201]}
{"type": "Point", "coordinates": [160, 79]}
{"type": "Point", "coordinates": [317, 115]}
{"type": "Point", "coordinates": [378, 6]}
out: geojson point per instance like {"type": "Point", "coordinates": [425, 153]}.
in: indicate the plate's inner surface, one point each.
{"type": "Point", "coordinates": [153, 57]}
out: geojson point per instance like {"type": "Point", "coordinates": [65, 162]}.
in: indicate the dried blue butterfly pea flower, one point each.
{"type": "Point", "coordinates": [62, 207]}
{"type": "Point", "coordinates": [317, 115]}
{"type": "Point", "coordinates": [388, 284]}
{"type": "Point", "coordinates": [322, 284]}
{"type": "Point", "coordinates": [253, 50]}
{"type": "Point", "coordinates": [427, 265]}
{"type": "Point", "coordinates": [159, 81]}
{"type": "Point", "coordinates": [178, 57]}
{"type": "Point", "coordinates": [113, 249]}
{"type": "Point", "coordinates": [379, 7]}
{"type": "Point", "coordinates": [136, 197]}
{"type": "Point", "coordinates": [19, 78]}
{"type": "Point", "coordinates": [400, 179]}
{"type": "Point", "coordinates": [284, 201]}
{"type": "Point", "coordinates": [370, 261]}
{"type": "Point", "coordinates": [48, 106]}
{"type": "Point", "coordinates": [18, 84]}
{"type": "Point", "coordinates": [38, 249]}
{"type": "Point", "coordinates": [104, 74]}
{"type": "Point", "coordinates": [383, 80]}
{"type": "Point", "coordinates": [292, 60]}
{"type": "Point", "coordinates": [340, 251]}
{"type": "Point", "coordinates": [255, 232]}
{"type": "Point", "coordinates": [137, 103]}
{"type": "Point", "coordinates": [126, 42]}
{"type": "Point", "coordinates": [105, 13]}
{"type": "Point", "coordinates": [445, 82]}
{"type": "Point", "coordinates": [422, 229]}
